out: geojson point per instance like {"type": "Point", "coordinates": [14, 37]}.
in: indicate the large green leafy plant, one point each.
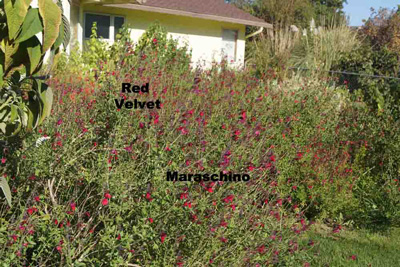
{"type": "Point", "coordinates": [27, 34]}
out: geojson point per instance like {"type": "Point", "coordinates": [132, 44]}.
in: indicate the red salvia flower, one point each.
{"type": "Point", "coordinates": [163, 236]}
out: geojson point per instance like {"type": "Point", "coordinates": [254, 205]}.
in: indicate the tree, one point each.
{"type": "Point", "coordinates": [328, 10]}
{"type": "Point", "coordinates": [382, 29]}
{"type": "Point", "coordinates": [26, 34]}
{"type": "Point", "coordinates": [288, 12]}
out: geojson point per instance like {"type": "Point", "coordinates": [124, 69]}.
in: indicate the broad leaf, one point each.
{"type": "Point", "coordinates": [67, 31]}
{"type": "Point", "coordinates": [14, 113]}
{"type": "Point", "coordinates": [47, 97]}
{"type": "Point", "coordinates": [6, 189]}
{"type": "Point", "coordinates": [1, 76]}
{"type": "Point", "coordinates": [34, 111]}
{"type": "Point", "coordinates": [10, 50]}
{"type": "Point", "coordinates": [60, 37]}
{"type": "Point", "coordinates": [16, 11]}
{"type": "Point", "coordinates": [34, 51]}
{"type": "Point", "coordinates": [31, 26]}
{"type": "Point", "coordinates": [51, 16]}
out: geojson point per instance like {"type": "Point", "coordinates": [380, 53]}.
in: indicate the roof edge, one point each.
{"type": "Point", "coordinates": [191, 14]}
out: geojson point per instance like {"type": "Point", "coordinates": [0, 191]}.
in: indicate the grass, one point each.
{"type": "Point", "coordinates": [381, 249]}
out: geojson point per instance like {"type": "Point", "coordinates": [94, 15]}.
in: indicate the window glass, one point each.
{"type": "Point", "coordinates": [118, 23]}
{"type": "Point", "coordinates": [229, 38]}
{"type": "Point", "coordinates": [103, 25]}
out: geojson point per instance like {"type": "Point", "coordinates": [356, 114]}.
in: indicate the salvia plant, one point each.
{"type": "Point", "coordinates": [29, 31]}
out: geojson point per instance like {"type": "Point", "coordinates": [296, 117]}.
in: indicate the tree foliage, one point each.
{"type": "Point", "coordinates": [383, 29]}
{"type": "Point", "coordinates": [288, 12]}
{"type": "Point", "coordinates": [26, 34]}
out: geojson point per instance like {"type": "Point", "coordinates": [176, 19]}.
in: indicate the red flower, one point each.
{"type": "Point", "coordinates": [299, 156]}
{"type": "Point", "coordinates": [3, 160]}
{"type": "Point", "coordinates": [163, 236]}
{"type": "Point", "coordinates": [353, 257]}
{"type": "Point", "coordinates": [128, 149]}
{"type": "Point", "coordinates": [272, 158]}
{"type": "Point", "coordinates": [73, 206]}
{"type": "Point", "coordinates": [148, 196]}
{"type": "Point", "coordinates": [31, 210]}
{"type": "Point", "coordinates": [223, 224]}
{"type": "Point", "coordinates": [107, 195]}
{"type": "Point", "coordinates": [223, 239]}
{"type": "Point", "coordinates": [104, 202]}
{"type": "Point", "coordinates": [151, 220]}
{"type": "Point", "coordinates": [229, 198]}
{"type": "Point", "coordinates": [337, 229]}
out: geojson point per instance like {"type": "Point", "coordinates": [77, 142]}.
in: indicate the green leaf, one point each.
{"type": "Point", "coordinates": [51, 16]}
{"type": "Point", "coordinates": [3, 127]}
{"type": "Point", "coordinates": [10, 50]}
{"type": "Point", "coordinates": [16, 11]}
{"type": "Point", "coordinates": [31, 26]}
{"type": "Point", "coordinates": [67, 31]}
{"type": "Point", "coordinates": [6, 189]}
{"type": "Point", "coordinates": [60, 37]}
{"type": "Point", "coordinates": [14, 113]}
{"type": "Point", "coordinates": [1, 76]}
{"type": "Point", "coordinates": [34, 51]}
{"type": "Point", "coordinates": [34, 111]}
{"type": "Point", "coordinates": [46, 95]}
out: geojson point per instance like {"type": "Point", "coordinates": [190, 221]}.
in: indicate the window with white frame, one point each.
{"type": "Point", "coordinates": [229, 44]}
{"type": "Point", "coordinates": [108, 26]}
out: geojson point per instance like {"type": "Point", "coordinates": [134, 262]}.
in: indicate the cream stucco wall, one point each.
{"type": "Point", "coordinates": [203, 36]}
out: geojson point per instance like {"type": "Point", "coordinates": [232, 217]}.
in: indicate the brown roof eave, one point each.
{"type": "Point", "coordinates": [191, 14]}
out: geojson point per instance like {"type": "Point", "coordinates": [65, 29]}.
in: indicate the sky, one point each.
{"type": "Point", "coordinates": [360, 9]}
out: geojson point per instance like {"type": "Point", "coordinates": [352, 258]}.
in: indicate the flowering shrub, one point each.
{"type": "Point", "coordinates": [91, 187]}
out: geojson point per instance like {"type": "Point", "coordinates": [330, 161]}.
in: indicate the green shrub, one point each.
{"type": "Point", "coordinates": [165, 50]}
{"type": "Point", "coordinates": [95, 192]}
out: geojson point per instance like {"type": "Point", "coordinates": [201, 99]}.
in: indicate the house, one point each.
{"type": "Point", "coordinates": [213, 29]}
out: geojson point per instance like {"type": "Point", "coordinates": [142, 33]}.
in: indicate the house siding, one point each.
{"type": "Point", "coordinates": [203, 36]}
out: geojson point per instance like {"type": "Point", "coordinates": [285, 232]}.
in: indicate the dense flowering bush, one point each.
{"type": "Point", "coordinates": [90, 185]}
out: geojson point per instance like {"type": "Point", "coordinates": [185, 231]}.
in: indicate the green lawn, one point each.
{"type": "Point", "coordinates": [371, 249]}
